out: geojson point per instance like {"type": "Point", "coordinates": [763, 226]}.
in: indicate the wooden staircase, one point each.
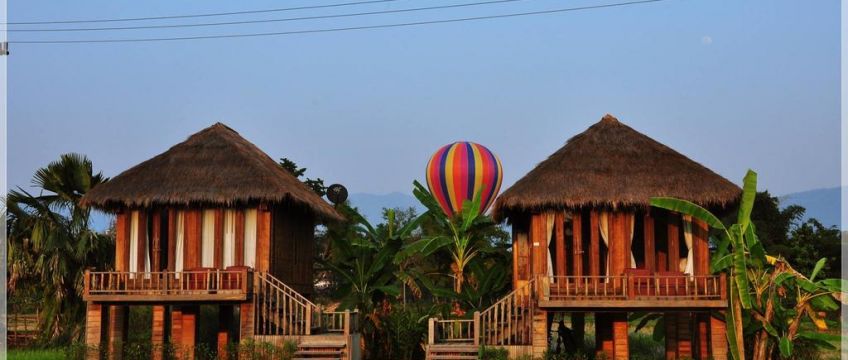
{"type": "Point", "coordinates": [508, 322]}
{"type": "Point", "coordinates": [282, 314]}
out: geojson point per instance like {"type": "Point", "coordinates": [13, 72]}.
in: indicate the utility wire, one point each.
{"type": "Point", "coordinates": [365, 27]}
{"type": "Point", "coordinates": [315, 17]}
{"type": "Point", "coordinates": [197, 15]}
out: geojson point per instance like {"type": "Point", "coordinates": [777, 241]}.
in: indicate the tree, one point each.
{"type": "Point", "coordinates": [317, 184]}
{"type": "Point", "coordinates": [50, 243]}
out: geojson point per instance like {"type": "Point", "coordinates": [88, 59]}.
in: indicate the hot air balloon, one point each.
{"type": "Point", "coordinates": [457, 171]}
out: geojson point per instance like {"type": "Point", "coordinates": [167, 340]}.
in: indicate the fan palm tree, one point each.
{"type": "Point", "coordinates": [50, 242]}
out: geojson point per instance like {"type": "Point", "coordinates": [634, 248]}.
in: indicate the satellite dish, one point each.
{"type": "Point", "coordinates": [336, 193]}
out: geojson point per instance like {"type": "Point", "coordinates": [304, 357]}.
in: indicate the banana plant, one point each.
{"type": "Point", "coordinates": [460, 235]}
{"type": "Point", "coordinates": [736, 242]}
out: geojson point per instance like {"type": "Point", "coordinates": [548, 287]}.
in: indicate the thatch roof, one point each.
{"type": "Point", "coordinates": [612, 165]}
{"type": "Point", "coordinates": [214, 167]}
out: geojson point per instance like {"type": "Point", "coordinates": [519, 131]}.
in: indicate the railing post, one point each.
{"type": "Point", "coordinates": [476, 325]}
{"type": "Point", "coordinates": [308, 319]}
{"type": "Point", "coordinates": [431, 331]}
{"type": "Point", "coordinates": [86, 283]}
{"type": "Point", "coordinates": [723, 280]}
{"type": "Point", "coordinates": [347, 322]}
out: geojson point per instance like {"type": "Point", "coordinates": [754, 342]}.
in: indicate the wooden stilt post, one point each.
{"type": "Point", "coordinates": [177, 330]}
{"type": "Point", "coordinates": [603, 335]}
{"type": "Point", "coordinates": [718, 338]}
{"type": "Point", "coordinates": [670, 336]}
{"type": "Point", "coordinates": [621, 350]}
{"type": "Point", "coordinates": [157, 333]}
{"type": "Point", "coordinates": [93, 330]}
{"type": "Point", "coordinates": [684, 335]}
{"type": "Point", "coordinates": [189, 330]}
{"type": "Point", "coordinates": [117, 331]}
{"type": "Point", "coordinates": [702, 329]}
{"type": "Point", "coordinates": [225, 314]}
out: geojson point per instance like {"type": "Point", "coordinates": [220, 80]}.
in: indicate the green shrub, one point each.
{"type": "Point", "coordinates": [493, 353]}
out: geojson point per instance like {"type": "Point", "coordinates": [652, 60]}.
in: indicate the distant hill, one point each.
{"type": "Point", "coordinates": [371, 205]}
{"type": "Point", "coordinates": [821, 204]}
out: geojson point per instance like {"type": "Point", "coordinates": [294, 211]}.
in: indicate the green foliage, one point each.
{"type": "Point", "coordinates": [50, 244]}
{"type": "Point", "coordinates": [317, 184]}
{"type": "Point", "coordinates": [769, 299]}
{"type": "Point", "coordinates": [404, 329]}
{"type": "Point", "coordinates": [493, 353]}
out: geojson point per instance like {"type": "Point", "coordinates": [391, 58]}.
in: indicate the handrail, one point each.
{"type": "Point", "coordinates": [212, 281]}
{"type": "Point", "coordinates": [659, 287]}
{"type": "Point", "coordinates": [509, 321]}
{"type": "Point", "coordinates": [280, 310]}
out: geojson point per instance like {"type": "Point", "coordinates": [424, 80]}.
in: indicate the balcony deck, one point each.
{"type": "Point", "coordinates": [633, 292]}
{"type": "Point", "coordinates": [168, 286]}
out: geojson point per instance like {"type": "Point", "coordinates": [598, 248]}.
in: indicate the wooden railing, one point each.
{"type": "Point", "coordinates": [453, 331]}
{"type": "Point", "coordinates": [633, 287]}
{"type": "Point", "coordinates": [339, 321]}
{"type": "Point", "coordinates": [510, 320]}
{"type": "Point", "coordinates": [280, 310]}
{"type": "Point", "coordinates": [164, 285]}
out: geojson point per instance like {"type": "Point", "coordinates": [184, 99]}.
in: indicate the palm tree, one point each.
{"type": "Point", "coordinates": [50, 243]}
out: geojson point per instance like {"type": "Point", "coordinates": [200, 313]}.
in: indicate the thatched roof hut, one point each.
{"type": "Point", "coordinates": [612, 165]}
{"type": "Point", "coordinates": [215, 166]}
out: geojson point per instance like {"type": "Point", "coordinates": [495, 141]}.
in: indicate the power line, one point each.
{"type": "Point", "coordinates": [197, 15]}
{"type": "Point", "coordinates": [316, 17]}
{"type": "Point", "coordinates": [366, 27]}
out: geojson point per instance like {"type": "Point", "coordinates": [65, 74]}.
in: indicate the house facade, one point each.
{"type": "Point", "coordinates": [213, 221]}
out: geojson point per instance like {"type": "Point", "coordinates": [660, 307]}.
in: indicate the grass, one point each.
{"type": "Point", "coordinates": [35, 354]}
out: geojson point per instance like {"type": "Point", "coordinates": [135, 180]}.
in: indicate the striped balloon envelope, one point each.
{"type": "Point", "coordinates": [457, 171]}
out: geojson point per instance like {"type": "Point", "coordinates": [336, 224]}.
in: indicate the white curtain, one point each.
{"type": "Point", "coordinates": [207, 243]}
{"type": "Point", "coordinates": [229, 238]}
{"type": "Point", "coordinates": [549, 222]}
{"type": "Point", "coordinates": [632, 218]}
{"type": "Point", "coordinates": [250, 238]}
{"type": "Point", "coordinates": [179, 230]}
{"type": "Point", "coordinates": [133, 263]}
{"type": "Point", "coordinates": [687, 237]}
{"type": "Point", "coordinates": [603, 225]}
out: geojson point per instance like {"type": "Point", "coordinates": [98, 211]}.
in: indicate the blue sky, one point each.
{"type": "Point", "coordinates": [731, 84]}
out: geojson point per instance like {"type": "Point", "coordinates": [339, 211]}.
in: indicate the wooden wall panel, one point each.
{"type": "Point", "coordinates": [219, 239]}
{"type": "Point", "coordinates": [619, 250]}
{"type": "Point", "coordinates": [263, 239]}
{"type": "Point", "coordinates": [239, 259]}
{"type": "Point", "coordinates": [122, 241]}
{"type": "Point", "coordinates": [193, 227]}
{"type": "Point", "coordinates": [594, 245]}
{"type": "Point", "coordinates": [172, 239]}
{"type": "Point", "coordinates": [521, 252]}
{"type": "Point", "coordinates": [673, 226]}
{"type": "Point", "coordinates": [177, 327]}
{"type": "Point", "coordinates": [700, 247]}
{"type": "Point", "coordinates": [650, 248]}
{"type": "Point", "coordinates": [577, 244]}
{"type": "Point", "coordinates": [559, 235]}
{"type": "Point", "coordinates": [142, 241]}
{"type": "Point", "coordinates": [156, 240]}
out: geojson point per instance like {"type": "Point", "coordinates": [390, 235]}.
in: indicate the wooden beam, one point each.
{"type": "Point", "coordinates": [122, 250]}
{"type": "Point", "coordinates": [594, 245]}
{"type": "Point", "coordinates": [263, 239]}
{"type": "Point", "coordinates": [577, 243]}
{"type": "Point", "coordinates": [156, 239]}
{"type": "Point", "coordinates": [172, 239]}
{"type": "Point", "coordinates": [142, 240]}
{"type": "Point", "coordinates": [219, 239]}
{"type": "Point", "coordinates": [559, 233]}
{"type": "Point", "coordinates": [700, 247]}
{"type": "Point", "coordinates": [619, 251]}
{"type": "Point", "coordinates": [192, 250]}
{"type": "Point", "coordinates": [673, 224]}
{"type": "Point", "coordinates": [650, 247]}
{"type": "Point", "coordinates": [239, 256]}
